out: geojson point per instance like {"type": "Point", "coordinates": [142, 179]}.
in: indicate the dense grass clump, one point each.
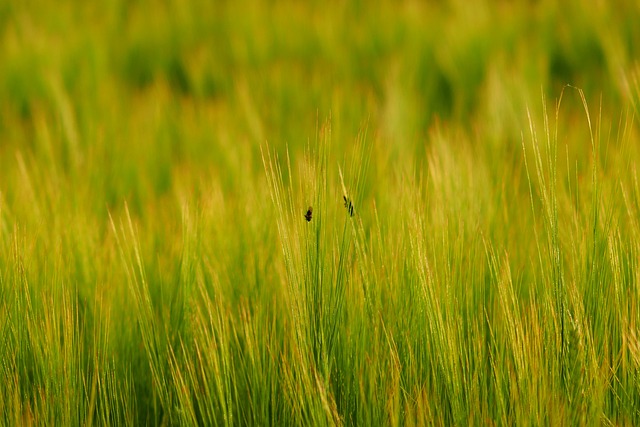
{"type": "Point", "coordinates": [246, 213]}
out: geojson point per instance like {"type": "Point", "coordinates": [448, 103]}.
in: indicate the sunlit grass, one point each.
{"type": "Point", "coordinates": [472, 252]}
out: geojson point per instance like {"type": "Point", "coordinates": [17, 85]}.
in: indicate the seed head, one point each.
{"type": "Point", "coordinates": [348, 205]}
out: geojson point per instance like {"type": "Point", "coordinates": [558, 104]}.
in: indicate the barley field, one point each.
{"type": "Point", "coordinates": [384, 213]}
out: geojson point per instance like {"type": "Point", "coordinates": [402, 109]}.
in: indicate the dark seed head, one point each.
{"type": "Point", "coordinates": [348, 205]}
{"type": "Point", "coordinates": [307, 216]}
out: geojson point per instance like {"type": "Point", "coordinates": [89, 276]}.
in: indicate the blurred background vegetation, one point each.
{"type": "Point", "coordinates": [146, 89]}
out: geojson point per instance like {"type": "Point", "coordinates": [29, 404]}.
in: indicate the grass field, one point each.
{"type": "Point", "coordinates": [473, 250]}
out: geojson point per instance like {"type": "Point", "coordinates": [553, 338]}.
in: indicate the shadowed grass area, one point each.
{"type": "Point", "coordinates": [470, 256]}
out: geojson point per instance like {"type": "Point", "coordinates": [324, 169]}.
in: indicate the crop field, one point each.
{"type": "Point", "coordinates": [385, 213]}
